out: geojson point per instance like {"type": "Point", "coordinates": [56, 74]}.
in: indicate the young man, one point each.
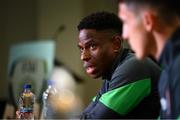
{"type": "Point", "coordinates": [152, 27]}
{"type": "Point", "coordinates": [129, 88]}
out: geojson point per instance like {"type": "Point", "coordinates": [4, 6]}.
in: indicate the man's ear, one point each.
{"type": "Point", "coordinates": [148, 20]}
{"type": "Point", "coordinates": [117, 43]}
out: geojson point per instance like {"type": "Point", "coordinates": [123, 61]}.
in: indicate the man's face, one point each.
{"type": "Point", "coordinates": [134, 31]}
{"type": "Point", "coordinates": [97, 51]}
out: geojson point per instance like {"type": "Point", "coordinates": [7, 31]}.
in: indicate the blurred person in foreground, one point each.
{"type": "Point", "coordinates": [152, 27]}
{"type": "Point", "coordinates": [129, 86]}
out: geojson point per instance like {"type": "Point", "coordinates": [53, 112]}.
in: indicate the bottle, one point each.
{"type": "Point", "coordinates": [26, 103]}
{"type": "Point", "coordinates": [50, 92]}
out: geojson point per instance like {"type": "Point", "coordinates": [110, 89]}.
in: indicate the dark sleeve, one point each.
{"type": "Point", "coordinates": [132, 70]}
{"type": "Point", "coordinates": [98, 111]}
{"type": "Point", "coordinates": [175, 95]}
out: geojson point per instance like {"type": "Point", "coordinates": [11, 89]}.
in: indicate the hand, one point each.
{"type": "Point", "coordinates": [25, 115]}
{"type": "Point", "coordinates": [18, 115]}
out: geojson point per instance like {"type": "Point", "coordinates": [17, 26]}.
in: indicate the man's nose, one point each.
{"type": "Point", "coordinates": [85, 55]}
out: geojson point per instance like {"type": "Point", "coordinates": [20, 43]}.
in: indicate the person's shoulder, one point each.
{"type": "Point", "coordinates": [132, 69]}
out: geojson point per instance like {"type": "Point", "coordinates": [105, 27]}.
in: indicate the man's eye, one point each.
{"type": "Point", "coordinates": [81, 49]}
{"type": "Point", "coordinates": [92, 47]}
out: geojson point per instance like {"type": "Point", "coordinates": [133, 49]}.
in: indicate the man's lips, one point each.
{"type": "Point", "coordinates": [90, 70]}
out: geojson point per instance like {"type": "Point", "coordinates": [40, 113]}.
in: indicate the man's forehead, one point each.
{"type": "Point", "coordinates": [92, 33]}
{"type": "Point", "coordinates": [86, 34]}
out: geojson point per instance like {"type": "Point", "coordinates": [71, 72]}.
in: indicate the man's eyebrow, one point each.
{"type": "Point", "coordinates": [90, 42]}
{"type": "Point", "coordinates": [79, 46]}
{"type": "Point", "coordinates": [87, 43]}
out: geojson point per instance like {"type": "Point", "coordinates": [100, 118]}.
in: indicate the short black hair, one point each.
{"type": "Point", "coordinates": [101, 21]}
{"type": "Point", "coordinates": [166, 8]}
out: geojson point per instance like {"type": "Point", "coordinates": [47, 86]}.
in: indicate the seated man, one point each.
{"type": "Point", "coordinates": [130, 86]}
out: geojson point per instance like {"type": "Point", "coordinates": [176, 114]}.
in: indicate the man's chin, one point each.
{"type": "Point", "coordinates": [94, 76]}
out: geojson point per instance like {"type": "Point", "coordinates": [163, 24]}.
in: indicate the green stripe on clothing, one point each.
{"type": "Point", "coordinates": [94, 98]}
{"type": "Point", "coordinates": [178, 117]}
{"type": "Point", "coordinates": [125, 98]}
{"type": "Point", "coordinates": [158, 118]}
